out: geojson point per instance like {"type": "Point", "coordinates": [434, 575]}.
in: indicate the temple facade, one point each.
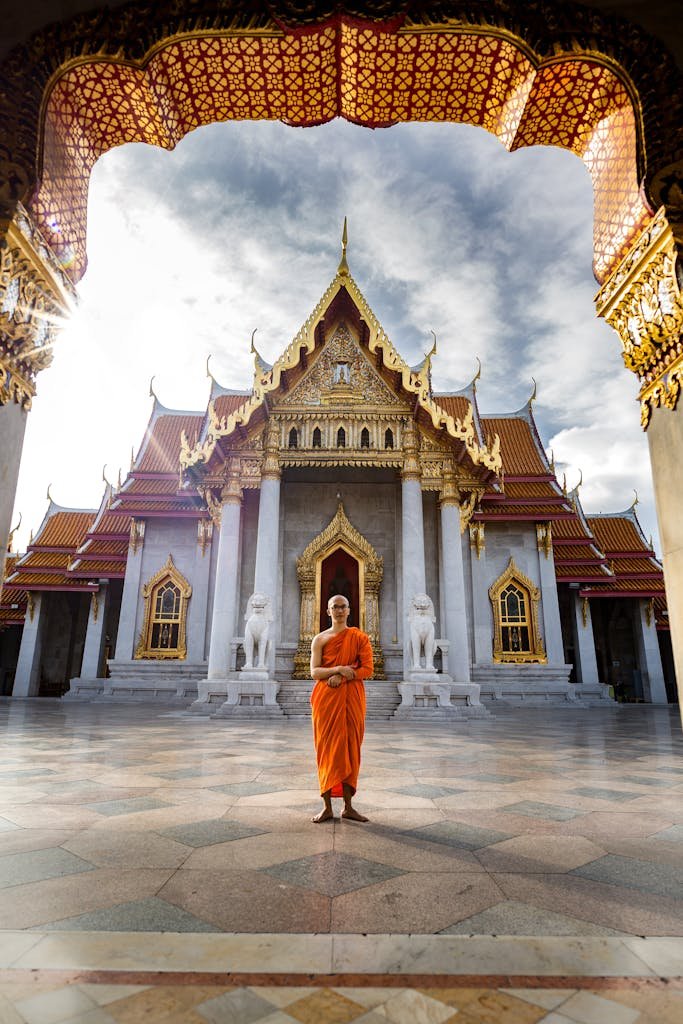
{"type": "Point", "coordinates": [203, 577]}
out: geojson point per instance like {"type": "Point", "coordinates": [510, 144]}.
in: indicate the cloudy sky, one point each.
{"type": "Point", "coordinates": [239, 228]}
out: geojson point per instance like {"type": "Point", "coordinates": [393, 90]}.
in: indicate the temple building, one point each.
{"type": "Point", "coordinates": [204, 575]}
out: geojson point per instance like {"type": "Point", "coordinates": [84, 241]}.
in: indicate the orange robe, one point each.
{"type": "Point", "coordinates": [339, 712]}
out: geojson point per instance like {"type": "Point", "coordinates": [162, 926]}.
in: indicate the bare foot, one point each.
{"type": "Point", "coordinates": [351, 814]}
{"type": "Point", "coordinates": [325, 815]}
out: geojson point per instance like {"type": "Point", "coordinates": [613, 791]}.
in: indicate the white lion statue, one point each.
{"type": "Point", "coordinates": [258, 618]}
{"type": "Point", "coordinates": [421, 618]}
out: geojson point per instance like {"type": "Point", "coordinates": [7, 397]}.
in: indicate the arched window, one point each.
{"type": "Point", "coordinates": [341, 438]}
{"type": "Point", "coordinates": [293, 438]}
{"type": "Point", "coordinates": [317, 438]}
{"type": "Point", "coordinates": [388, 438]}
{"type": "Point", "coordinates": [166, 597]}
{"type": "Point", "coordinates": [365, 438]}
{"type": "Point", "coordinates": [515, 609]}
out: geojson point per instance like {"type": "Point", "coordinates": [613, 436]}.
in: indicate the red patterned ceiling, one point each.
{"type": "Point", "coordinates": [359, 72]}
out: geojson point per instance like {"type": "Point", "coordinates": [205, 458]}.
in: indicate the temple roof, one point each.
{"type": "Point", "coordinates": [104, 550]}
{"type": "Point", "coordinates": [229, 416]}
{"type": "Point", "coordinates": [48, 557]}
{"type": "Point", "coordinates": [13, 599]}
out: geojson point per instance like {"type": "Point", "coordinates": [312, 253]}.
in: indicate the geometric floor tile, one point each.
{"type": "Point", "coordinates": [242, 1005]}
{"type": "Point", "coordinates": [38, 865]}
{"type": "Point", "coordinates": [660, 879]}
{"type": "Point", "coordinates": [674, 834]}
{"type": "Point", "coordinates": [493, 777]}
{"type": "Point", "coordinates": [248, 788]}
{"type": "Point", "coordinates": [208, 833]}
{"type": "Point", "coordinates": [460, 835]}
{"type": "Point", "coordinates": [111, 808]}
{"type": "Point", "coordinates": [150, 915]}
{"type": "Point", "coordinates": [605, 794]}
{"type": "Point", "coordinates": [533, 809]}
{"type": "Point", "coordinates": [515, 918]}
{"type": "Point", "coordinates": [424, 790]}
{"type": "Point", "coordinates": [332, 874]}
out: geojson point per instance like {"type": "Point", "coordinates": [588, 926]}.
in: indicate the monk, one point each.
{"type": "Point", "coordinates": [341, 658]}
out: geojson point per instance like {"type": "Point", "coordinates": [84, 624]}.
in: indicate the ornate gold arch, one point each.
{"type": "Point", "coordinates": [513, 574]}
{"type": "Point", "coordinates": [531, 74]}
{"type": "Point", "coordinates": [340, 533]}
{"type": "Point", "coordinates": [167, 574]}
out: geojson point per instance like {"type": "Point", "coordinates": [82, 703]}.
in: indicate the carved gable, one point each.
{"type": "Point", "coordinates": [342, 375]}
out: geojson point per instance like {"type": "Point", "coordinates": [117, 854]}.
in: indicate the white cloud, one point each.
{"type": "Point", "coordinates": [239, 228]}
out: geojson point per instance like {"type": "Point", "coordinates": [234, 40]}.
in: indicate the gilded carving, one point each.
{"type": "Point", "coordinates": [137, 534]}
{"type": "Point", "coordinates": [204, 534]}
{"type": "Point", "coordinates": [477, 538]}
{"type": "Point", "coordinates": [468, 506]}
{"type": "Point", "coordinates": [544, 538]}
{"type": "Point", "coordinates": [35, 296]}
{"type": "Point", "coordinates": [516, 637]}
{"type": "Point", "coordinates": [643, 303]}
{"type": "Point", "coordinates": [338, 533]}
{"type": "Point", "coordinates": [163, 631]}
{"type": "Point", "coordinates": [584, 612]}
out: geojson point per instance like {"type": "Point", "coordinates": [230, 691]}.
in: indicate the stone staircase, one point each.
{"type": "Point", "coordinates": [382, 698]}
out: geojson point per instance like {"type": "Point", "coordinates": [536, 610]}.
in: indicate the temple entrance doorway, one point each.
{"type": "Point", "coordinates": [339, 574]}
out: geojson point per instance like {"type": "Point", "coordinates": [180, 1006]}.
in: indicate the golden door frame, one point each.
{"type": "Point", "coordinates": [339, 533]}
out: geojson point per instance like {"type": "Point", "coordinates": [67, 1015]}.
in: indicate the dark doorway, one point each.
{"type": "Point", "coordinates": [339, 575]}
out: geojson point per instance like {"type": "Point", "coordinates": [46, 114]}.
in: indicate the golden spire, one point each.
{"type": "Point", "coordinates": [343, 268]}
{"type": "Point", "coordinates": [552, 461]}
{"type": "Point", "coordinates": [12, 532]}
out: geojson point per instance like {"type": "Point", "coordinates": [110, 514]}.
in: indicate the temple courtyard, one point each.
{"type": "Point", "coordinates": [158, 865]}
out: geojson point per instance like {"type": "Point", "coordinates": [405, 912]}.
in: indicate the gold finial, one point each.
{"type": "Point", "coordinates": [152, 393]}
{"type": "Point", "coordinates": [533, 393]}
{"type": "Point", "coordinates": [580, 479]}
{"type": "Point", "coordinates": [48, 495]}
{"type": "Point", "coordinates": [477, 374]}
{"type": "Point", "coordinates": [118, 480]}
{"type": "Point", "coordinates": [30, 536]}
{"type": "Point", "coordinates": [652, 543]}
{"type": "Point", "coordinates": [564, 484]}
{"type": "Point", "coordinates": [208, 371]}
{"type": "Point", "coordinates": [343, 268]}
{"type": "Point", "coordinates": [636, 500]}
{"type": "Point", "coordinates": [552, 462]}
{"type": "Point", "coordinates": [432, 351]}
{"type": "Point", "coordinates": [252, 347]}
{"type": "Point", "coordinates": [12, 532]}
{"type": "Point", "coordinates": [132, 457]}
{"type": "Point", "coordinates": [104, 475]}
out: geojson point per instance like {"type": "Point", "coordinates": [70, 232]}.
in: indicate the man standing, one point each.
{"type": "Point", "coordinates": [341, 658]}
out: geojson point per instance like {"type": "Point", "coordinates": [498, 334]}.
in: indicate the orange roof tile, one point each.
{"type": "Point", "coordinates": [64, 530]}
{"type": "Point", "coordinates": [616, 533]}
{"type": "Point", "coordinates": [227, 404]}
{"type": "Point", "coordinates": [456, 406]}
{"type": "Point", "coordinates": [518, 446]}
{"type": "Point", "coordinates": [163, 444]}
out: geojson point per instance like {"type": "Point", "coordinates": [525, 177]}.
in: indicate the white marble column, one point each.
{"type": "Point", "coordinates": [12, 428]}
{"type": "Point", "coordinates": [27, 675]}
{"type": "Point", "coordinates": [455, 618]}
{"type": "Point", "coordinates": [584, 641]}
{"type": "Point", "coordinates": [196, 619]}
{"type": "Point", "coordinates": [412, 535]}
{"type": "Point", "coordinates": [94, 635]}
{"type": "Point", "coordinates": [126, 636]}
{"type": "Point", "coordinates": [550, 605]}
{"type": "Point", "coordinates": [224, 615]}
{"type": "Point", "coordinates": [649, 656]}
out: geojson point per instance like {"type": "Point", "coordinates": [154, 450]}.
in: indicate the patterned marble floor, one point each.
{"type": "Point", "coordinates": [561, 827]}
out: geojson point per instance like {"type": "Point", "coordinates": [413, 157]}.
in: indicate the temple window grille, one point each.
{"type": "Point", "coordinates": [166, 600]}
{"type": "Point", "coordinates": [293, 438]}
{"type": "Point", "coordinates": [341, 438]}
{"type": "Point", "coordinates": [514, 600]}
{"type": "Point", "coordinates": [388, 438]}
{"type": "Point", "coordinates": [317, 438]}
{"type": "Point", "coordinates": [365, 438]}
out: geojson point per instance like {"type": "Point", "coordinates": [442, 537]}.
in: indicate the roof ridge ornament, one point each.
{"type": "Point", "coordinates": [208, 371]}
{"type": "Point", "coordinates": [343, 268]}
{"type": "Point", "coordinates": [152, 392]}
{"type": "Point", "coordinates": [473, 383]}
{"type": "Point", "coordinates": [532, 396]}
{"type": "Point", "coordinates": [636, 500]}
{"type": "Point", "coordinates": [10, 536]}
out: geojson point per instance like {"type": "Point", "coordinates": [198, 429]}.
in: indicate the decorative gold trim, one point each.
{"type": "Point", "coordinates": [642, 302]}
{"type": "Point", "coordinates": [30, 605]}
{"type": "Point", "coordinates": [204, 534]}
{"type": "Point", "coordinates": [95, 606]}
{"type": "Point", "coordinates": [477, 538]}
{"type": "Point", "coordinates": [584, 612]}
{"type": "Point", "coordinates": [137, 534]}
{"type": "Point", "coordinates": [339, 533]}
{"type": "Point", "coordinates": [537, 653]}
{"type": "Point", "coordinates": [167, 574]}
{"type": "Point", "coordinates": [649, 611]}
{"type": "Point", "coordinates": [544, 538]}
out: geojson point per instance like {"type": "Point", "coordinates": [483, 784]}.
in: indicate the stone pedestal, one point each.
{"type": "Point", "coordinates": [250, 693]}
{"type": "Point", "coordinates": [426, 695]}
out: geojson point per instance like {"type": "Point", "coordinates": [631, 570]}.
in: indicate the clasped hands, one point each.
{"type": "Point", "coordinates": [339, 674]}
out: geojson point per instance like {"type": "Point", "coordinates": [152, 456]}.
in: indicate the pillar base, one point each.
{"type": "Point", "coordinates": [429, 695]}
{"type": "Point", "coordinates": [250, 693]}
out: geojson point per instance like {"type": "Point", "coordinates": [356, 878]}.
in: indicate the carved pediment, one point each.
{"type": "Point", "coordinates": [342, 376]}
